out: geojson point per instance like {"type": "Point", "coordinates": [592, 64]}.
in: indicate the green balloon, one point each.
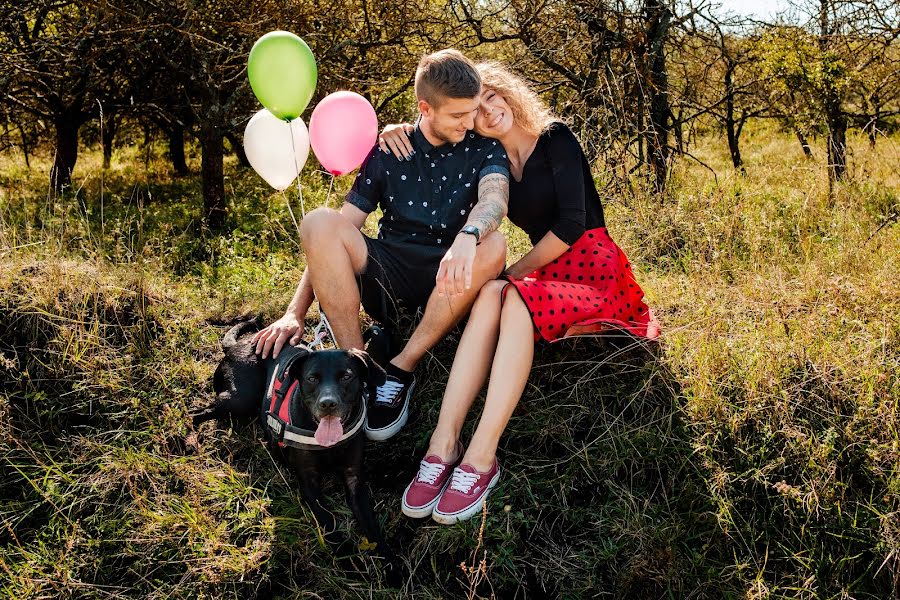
{"type": "Point", "coordinates": [283, 73]}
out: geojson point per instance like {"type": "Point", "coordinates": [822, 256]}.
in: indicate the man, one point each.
{"type": "Point", "coordinates": [437, 240]}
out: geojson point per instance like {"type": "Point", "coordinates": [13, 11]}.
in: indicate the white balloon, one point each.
{"type": "Point", "coordinates": [269, 148]}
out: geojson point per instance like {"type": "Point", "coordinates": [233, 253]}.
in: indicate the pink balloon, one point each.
{"type": "Point", "coordinates": [342, 131]}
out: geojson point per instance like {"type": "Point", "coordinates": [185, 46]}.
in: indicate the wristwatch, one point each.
{"type": "Point", "coordinates": [472, 230]}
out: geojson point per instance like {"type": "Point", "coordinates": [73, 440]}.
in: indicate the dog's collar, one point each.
{"type": "Point", "coordinates": [292, 436]}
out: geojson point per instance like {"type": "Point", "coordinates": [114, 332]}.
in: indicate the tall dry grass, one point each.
{"type": "Point", "coordinates": [751, 454]}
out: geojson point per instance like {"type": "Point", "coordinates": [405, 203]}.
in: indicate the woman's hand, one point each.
{"type": "Point", "coordinates": [548, 249]}
{"type": "Point", "coordinates": [395, 138]}
{"type": "Point", "coordinates": [516, 273]}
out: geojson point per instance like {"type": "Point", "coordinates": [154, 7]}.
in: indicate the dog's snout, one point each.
{"type": "Point", "coordinates": [327, 403]}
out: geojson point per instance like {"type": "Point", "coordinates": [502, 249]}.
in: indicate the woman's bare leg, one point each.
{"type": "Point", "coordinates": [509, 374]}
{"type": "Point", "coordinates": [469, 370]}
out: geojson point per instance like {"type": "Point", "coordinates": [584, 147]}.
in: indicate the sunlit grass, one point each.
{"type": "Point", "coordinates": [752, 454]}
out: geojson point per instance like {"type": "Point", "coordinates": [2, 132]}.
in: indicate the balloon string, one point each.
{"type": "Point", "coordinates": [299, 188]}
{"type": "Point", "coordinates": [300, 196]}
{"type": "Point", "coordinates": [287, 201]}
{"type": "Point", "coordinates": [330, 187]}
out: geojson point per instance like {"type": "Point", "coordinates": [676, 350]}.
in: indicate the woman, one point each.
{"type": "Point", "coordinates": [574, 280]}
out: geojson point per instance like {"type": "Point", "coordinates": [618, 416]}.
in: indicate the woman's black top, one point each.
{"type": "Point", "coordinates": [557, 192]}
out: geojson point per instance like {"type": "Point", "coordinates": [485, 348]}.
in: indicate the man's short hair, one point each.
{"type": "Point", "coordinates": [446, 74]}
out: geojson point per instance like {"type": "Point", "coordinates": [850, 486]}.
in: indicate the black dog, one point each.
{"type": "Point", "coordinates": [324, 391]}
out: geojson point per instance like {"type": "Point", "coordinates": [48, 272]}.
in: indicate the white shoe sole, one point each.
{"type": "Point", "coordinates": [422, 511]}
{"type": "Point", "coordinates": [466, 513]}
{"type": "Point", "coordinates": [386, 433]}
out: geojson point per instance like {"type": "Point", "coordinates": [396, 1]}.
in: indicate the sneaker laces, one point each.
{"type": "Point", "coordinates": [429, 472]}
{"type": "Point", "coordinates": [387, 393]}
{"type": "Point", "coordinates": [463, 481]}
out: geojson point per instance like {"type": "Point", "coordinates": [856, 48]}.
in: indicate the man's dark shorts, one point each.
{"type": "Point", "coordinates": [398, 279]}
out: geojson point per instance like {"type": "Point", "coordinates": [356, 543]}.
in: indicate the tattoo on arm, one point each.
{"type": "Point", "coordinates": [493, 201]}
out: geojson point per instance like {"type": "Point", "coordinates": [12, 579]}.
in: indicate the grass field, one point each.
{"type": "Point", "coordinates": [753, 453]}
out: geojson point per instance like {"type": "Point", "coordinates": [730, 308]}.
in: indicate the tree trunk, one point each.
{"type": "Point", "coordinates": [238, 148]}
{"type": "Point", "coordinates": [175, 136]}
{"type": "Point", "coordinates": [67, 128]}
{"type": "Point", "coordinates": [834, 115]}
{"type": "Point", "coordinates": [640, 128]}
{"type": "Point", "coordinates": [145, 148]}
{"type": "Point", "coordinates": [25, 147]}
{"type": "Point", "coordinates": [679, 134]}
{"type": "Point", "coordinates": [212, 146]}
{"type": "Point", "coordinates": [110, 126]}
{"type": "Point", "coordinates": [730, 126]}
{"type": "Point", "coordinates": [872, 125]}
{"type": "Point", "coordinates": [658, 18]}
{"type": "Point", "coordinates": [804, 143]}
{"type": "Point", "coordinates": [837, 140]}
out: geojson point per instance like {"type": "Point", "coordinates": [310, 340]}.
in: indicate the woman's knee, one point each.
{"type": "Point", "coordinates": [514, 306]}
{"type": "Point", "coordinates": [488, 299]}
{"type": "Point", "coordinates": [491, 291]}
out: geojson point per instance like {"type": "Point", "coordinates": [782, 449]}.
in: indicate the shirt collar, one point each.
{"type": "Point", "coordinates": [423, 142]}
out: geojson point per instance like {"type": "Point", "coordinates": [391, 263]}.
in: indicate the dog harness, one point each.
{"type": "Point", "coordinates": [281, 391]}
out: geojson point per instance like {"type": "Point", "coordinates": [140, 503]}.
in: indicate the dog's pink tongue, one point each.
{"type": "Point", "coordinates": [329, 431]}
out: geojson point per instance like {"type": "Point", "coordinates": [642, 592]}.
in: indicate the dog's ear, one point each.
{"type": "Point", "coordinates": [375, 375]}
{"type": "Point", "coordinates": [295, 369]}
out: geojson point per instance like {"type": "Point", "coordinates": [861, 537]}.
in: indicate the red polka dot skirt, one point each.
{"type": "Point", "coordinates": [587, 290]}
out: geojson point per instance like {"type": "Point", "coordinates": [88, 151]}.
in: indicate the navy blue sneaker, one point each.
{"type": "Point", "coordinates": [390, 411]}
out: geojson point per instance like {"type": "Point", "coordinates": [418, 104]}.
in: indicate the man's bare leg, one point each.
{"type": "Point", "coordinates": [335, 253]}
{"type": "Point", "coordinates": [443, 312]}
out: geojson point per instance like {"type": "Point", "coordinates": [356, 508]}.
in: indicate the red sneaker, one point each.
{"type": "Point", "coordinates": [466, 493]}
{"type": "Point", "coordinates": [429, 483]}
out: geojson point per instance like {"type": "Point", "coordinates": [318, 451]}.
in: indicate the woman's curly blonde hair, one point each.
{"type": "Point", "coordinates": [528, 110]}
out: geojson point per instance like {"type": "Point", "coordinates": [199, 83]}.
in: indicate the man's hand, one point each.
{"type": "Point", "coordinates": [454, 276]}
{"type": "Point", "coordinates": [286, 329]}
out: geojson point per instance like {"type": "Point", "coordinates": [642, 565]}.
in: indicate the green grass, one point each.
{"type": "Point", "coordinates": [752, 454]}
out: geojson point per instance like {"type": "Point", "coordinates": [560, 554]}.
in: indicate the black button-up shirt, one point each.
{"type": "Point", "coordinates": [426, 200]}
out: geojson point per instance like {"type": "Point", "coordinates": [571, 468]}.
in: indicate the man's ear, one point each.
{"type": "Point", "coordinates": [375, 375]}
{"type": "Point", "coordinates": [425, 108]}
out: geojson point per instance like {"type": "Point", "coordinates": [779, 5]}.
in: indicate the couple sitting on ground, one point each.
{"type": "Point", "coordinates": [443, 191]}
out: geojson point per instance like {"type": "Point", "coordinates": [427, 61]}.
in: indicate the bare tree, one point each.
{"type": "Point", "coordinates": [369, 47]}
{"type": "Point", "coordinates": [61, 59]}
{"type": "Point", "coordinates": [852, 38]}
{"type": "Point", "coordinates": [605, 62]}
{"type": "Point", "coordinates": [720, 56]}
